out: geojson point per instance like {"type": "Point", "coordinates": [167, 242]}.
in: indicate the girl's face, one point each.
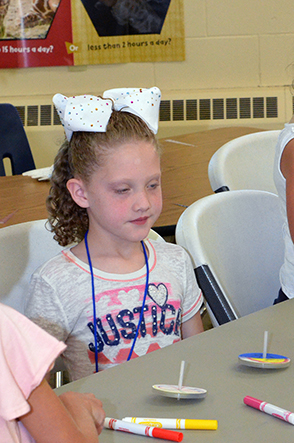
{"type": "Point", "coordinates": [124, 196]}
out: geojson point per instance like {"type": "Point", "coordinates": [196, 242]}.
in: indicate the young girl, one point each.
{"type": "Point", "coordinates": [115, 294]}
{"type": "Point", "coordinates": [30, 411]}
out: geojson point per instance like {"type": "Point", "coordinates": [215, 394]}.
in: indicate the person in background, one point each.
{"type": "Point", "coordinates": [284, 181]}
{"type": "Point", "coordinates": [30, 411]}
{"type": "Point", "coordinates": [116, 294]}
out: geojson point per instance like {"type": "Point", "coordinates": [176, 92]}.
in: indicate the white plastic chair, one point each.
{"type": "Point", "coordinates": [236, 245]}
{"type": "Point", "coordinates": [23, 248]}
{"type": "Point", "coordinates": [246, 162]}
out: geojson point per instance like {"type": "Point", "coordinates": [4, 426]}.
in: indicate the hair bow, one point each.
{"type": "Point", "coordinates": [91, 114]}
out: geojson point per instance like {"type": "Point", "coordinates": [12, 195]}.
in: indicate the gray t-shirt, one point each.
{"type": "Point", "coordinates": [60, 301]}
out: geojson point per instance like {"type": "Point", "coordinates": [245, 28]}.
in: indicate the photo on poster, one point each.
{"type": "Point", "coordinates": [26, 19]}
{"type": "Point", "coordinates": [127, 17]}
{"type": "Point", "coordinates": [35, 33]}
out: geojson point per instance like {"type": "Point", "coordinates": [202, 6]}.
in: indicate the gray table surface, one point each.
{"type": "Point", "coordinates": [211, 363]}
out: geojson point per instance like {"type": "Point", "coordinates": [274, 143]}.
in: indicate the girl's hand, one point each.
{"type": "Point", "coordinates": [72, 417]}
{"type": "Point", "coordinates": [74, 401]}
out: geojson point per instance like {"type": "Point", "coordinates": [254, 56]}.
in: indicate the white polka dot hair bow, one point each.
{"type": "Point", "coordinates": [91, 114]}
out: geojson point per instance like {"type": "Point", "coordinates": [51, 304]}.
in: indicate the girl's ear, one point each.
{"type": "Point", "coordinates": [77, 191]}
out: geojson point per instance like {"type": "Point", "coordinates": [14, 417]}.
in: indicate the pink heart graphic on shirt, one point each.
{"type": "Point", "coordinates": [158, 294]}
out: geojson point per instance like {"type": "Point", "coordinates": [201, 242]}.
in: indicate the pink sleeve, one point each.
{"type": "Point", "coordinates": [26, 354]}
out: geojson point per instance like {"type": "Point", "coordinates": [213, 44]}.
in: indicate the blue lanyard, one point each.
{"type": "Point", "coordinates": [143, 303]}
{"type": "Point", "coordinates": [94, 303]}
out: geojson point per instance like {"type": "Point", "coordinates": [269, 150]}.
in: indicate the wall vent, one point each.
{"type": "Point", "coordinates": [271, 107]}
{"type": "Point", "coordinates": [179, 110]}
{"type": "Point", "coordinates": [32, 115]}
{"type": "Point", "coordinates": [191, 109]}
{"type": "Point", "coordinates": [45, 115]}
{"type": "Point", "coordinates": [164, 112]}
{"type": "Point", "coordinates": [219, 108]}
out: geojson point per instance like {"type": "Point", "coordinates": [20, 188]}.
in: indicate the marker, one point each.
{"type": "Point", "coordinates": [275, 411]}
{"type": "Point", "coordinates": [174, 423]}
{"type": "Point", "coordinates": [148, 431]}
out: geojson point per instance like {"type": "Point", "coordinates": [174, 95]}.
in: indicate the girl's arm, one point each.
{"type": "Point", "coordinates": [287, 168]}
{"type": "Point", "coordinates": [73, 417]}
{"type": "Point", "coordinates": [193, 326]}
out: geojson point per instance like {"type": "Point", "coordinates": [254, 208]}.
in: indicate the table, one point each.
{"type": "Point", "coordinates": [211, 363]}
{"type": "Point", "coordinates": [185, 161]}
{"type": "Point", "coordinates": [24, 198]}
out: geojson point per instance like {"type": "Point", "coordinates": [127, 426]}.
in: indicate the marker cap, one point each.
{"type": "Point", "coordinates": [200, 424]}
{"type": "Point", "coordinates": [167, 435]}
{"type": "Point", "coordinates": [251, 401]}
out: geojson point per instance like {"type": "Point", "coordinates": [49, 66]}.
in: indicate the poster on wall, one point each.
{"type": "Point", "coordinates": [84, 32]}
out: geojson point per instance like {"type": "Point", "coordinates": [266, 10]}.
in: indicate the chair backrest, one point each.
{"type": "Point", "coordinates": [23, 248]}
{"type": "Point", "coordinates": [246, 162]}
{"type": "Point", "coordinates": [14, 144]}
{"type": "Point", "coordinates": [236, 245]}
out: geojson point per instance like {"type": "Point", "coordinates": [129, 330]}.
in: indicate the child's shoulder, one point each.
{"type": "Point", "coordinates": [58, 261]}
{"type": "Point", "coordinates": [171, 256]}
{"type": "Point", "coordinates": [162, 246]}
